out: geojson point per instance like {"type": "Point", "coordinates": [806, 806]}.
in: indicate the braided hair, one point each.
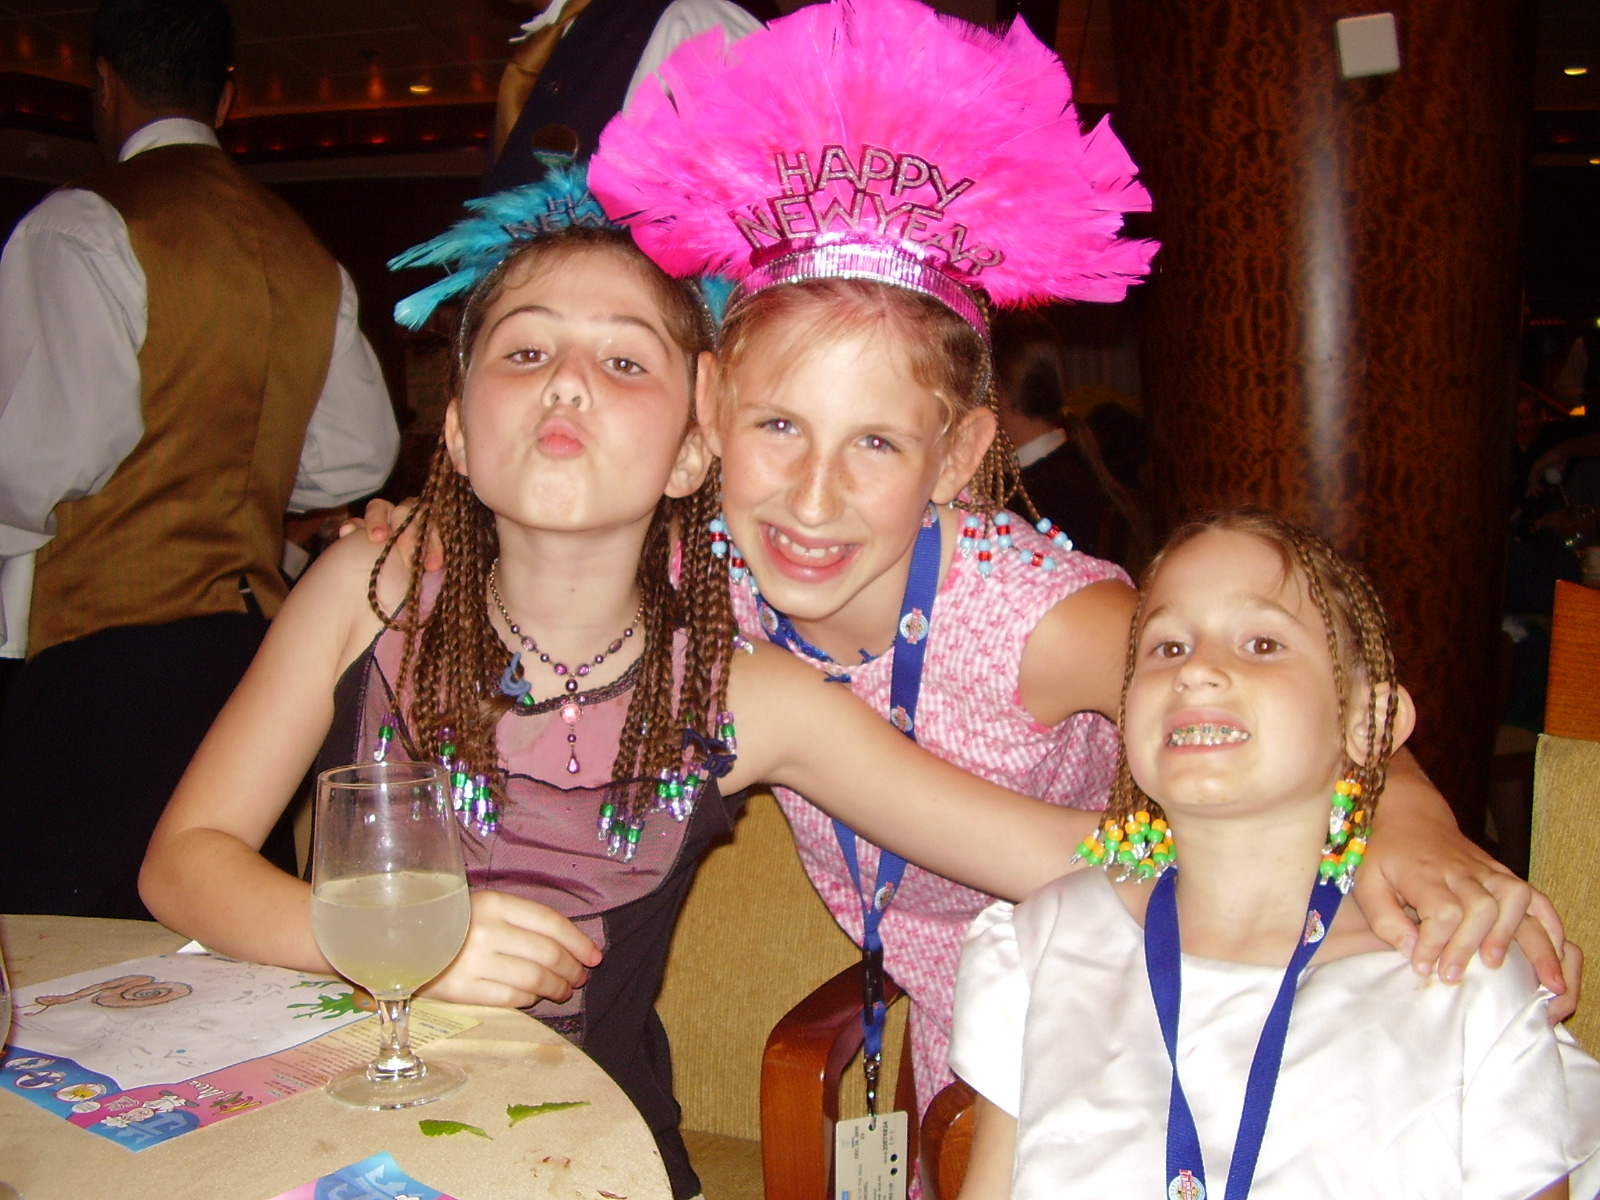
{"type": "Point", "coordinates": [1358, 643]}
{"type": "Point", "coordinates": [453, 654]}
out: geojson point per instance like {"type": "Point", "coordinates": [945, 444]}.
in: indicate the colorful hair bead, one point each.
{"type": "Point", "coordinates": [631, 838]}
{"type": "Point", "coordinates": [385, 737]}
{"type": "Point", "coordinates": [1347, 836]}
{"type": "Point", "coordinates": [1140, 845]}
{"type": "Point", "coordinates": [971, 531]}
{"type": "Point", "coordinates": [722, 547]}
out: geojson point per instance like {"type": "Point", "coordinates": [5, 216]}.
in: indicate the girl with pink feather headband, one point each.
{"type": "Point", "coordinates": [874, 175]}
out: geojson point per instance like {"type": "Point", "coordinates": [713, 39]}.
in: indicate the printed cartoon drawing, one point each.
{"type": "Point", "coordinates": [126, 991]}
{"type": "Point", "coordinates": [233, 1102]}
{"type": "Point", "coordinates": [143, 1023]}
{"type": "Point", "coordinates": [164, 1103]}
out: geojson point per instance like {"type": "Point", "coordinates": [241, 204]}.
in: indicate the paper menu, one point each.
{"type": "Point", "coordinates": [150, 1049]}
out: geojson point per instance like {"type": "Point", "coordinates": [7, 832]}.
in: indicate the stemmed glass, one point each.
{"type": "Point", "coordinates": [389, 909]}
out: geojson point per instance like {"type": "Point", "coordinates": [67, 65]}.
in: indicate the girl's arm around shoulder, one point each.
{"type": "Point", "coordinates": [1074, 658]}
{"type": "Point", "coordinates": [799, 730]}
{"type": "Point", "coordinates": [203, 874]}
{"type": "Point", "coordinates": [1466, 901]}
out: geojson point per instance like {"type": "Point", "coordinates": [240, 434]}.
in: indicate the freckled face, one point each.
{"type": "Point", "coordinates": [830, 454]}
{"type": "Point", "coordinates": [576, 400]}
{"type": "Point", "coordinates": [1232, 703]}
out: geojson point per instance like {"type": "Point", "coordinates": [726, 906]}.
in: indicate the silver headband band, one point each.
{"type": "Point", "coordinates": [883, 262]}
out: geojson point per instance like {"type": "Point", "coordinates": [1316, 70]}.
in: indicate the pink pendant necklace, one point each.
{"type": "Point", "coordinates": [514, 684]}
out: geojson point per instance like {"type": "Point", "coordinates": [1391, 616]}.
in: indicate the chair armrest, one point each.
{"type": "Point", "coordinates": [947, 1141]}
{"type": "Point", "coordinates": [806, 1054]}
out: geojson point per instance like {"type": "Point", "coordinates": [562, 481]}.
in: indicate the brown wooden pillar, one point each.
{"type": "Point", "coordinates": [1332, 324]}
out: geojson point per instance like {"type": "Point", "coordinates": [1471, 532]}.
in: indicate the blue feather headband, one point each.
{"type": "Point", "coordinates": [475, 245]}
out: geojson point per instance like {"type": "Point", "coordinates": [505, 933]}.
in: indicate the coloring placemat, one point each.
{"type": "Point", "coordinates": [153, 1048]}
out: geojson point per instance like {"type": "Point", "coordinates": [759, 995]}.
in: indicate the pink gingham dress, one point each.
{"type": "Point", "coordinates": [970, 713]}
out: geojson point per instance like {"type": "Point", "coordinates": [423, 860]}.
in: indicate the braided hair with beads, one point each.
{"type": "Point", "coordinates": [453, 654]}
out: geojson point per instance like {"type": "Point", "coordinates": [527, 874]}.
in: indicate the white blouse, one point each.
{"type": "Point", "coordinates": [1391, 1086]}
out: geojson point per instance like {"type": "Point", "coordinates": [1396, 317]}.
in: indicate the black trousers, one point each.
{"type": "Point", "coordinates": [94, 737]}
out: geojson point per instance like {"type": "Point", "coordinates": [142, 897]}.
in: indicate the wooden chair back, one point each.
{"type": "Point", "coordinates": [1572, 699]}
{"type": "Point", "coordinates": [753, 939]}
{"type": "Point", "coordinates": [755, 952]}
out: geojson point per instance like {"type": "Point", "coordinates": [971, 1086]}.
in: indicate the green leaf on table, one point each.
{"type": "Point", "coordinates": [521, 1112]}
{"type": "Point", "coordinates": [446, 1128]}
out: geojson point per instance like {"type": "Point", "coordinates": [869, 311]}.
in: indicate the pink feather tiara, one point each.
{"type": "Point", "coordinates": [876, 139]}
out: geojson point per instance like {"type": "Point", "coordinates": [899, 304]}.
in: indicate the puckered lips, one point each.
{"type": "Point", "coordinates": [558, 437]}
{"type": "Point", "coordinates": [1204, 729]}
{"type": "Point", "coordinates": [808, 559]}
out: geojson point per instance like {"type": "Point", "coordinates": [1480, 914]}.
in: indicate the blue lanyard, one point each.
{"type": "Point", "coordinates": [905, 686]}
{"type": "Point", "coordinates": [1164, 963]}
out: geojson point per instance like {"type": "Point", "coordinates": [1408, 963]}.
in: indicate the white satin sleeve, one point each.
{"type": "Point", "coordinates": [352, 439]}
{"type": "Point", "coordinates": [992, 990]}
{"type": "Point", "coordinates": [1530, 1102]}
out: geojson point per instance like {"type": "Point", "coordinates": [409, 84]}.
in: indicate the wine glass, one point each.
{"type": "Point", "coordinates": [389, 909]}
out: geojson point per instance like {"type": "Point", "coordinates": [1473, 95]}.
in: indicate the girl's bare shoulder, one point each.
{"type": "Point", "coordinates": [332, 596]}
{"type": "Point", "coordinates": [345, 568]}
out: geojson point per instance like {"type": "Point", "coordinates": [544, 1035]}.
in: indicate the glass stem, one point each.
{"type": "Point", "coordinates": [395, 1059]}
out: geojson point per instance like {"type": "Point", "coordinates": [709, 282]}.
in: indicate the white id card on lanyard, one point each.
{"type": "Point", "coordinates": [869, 1158]}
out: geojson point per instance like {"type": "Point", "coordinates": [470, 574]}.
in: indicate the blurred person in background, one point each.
{"type": "Point", "coordinates": [1062, 468]}
{"type": "Point", "coordinates": [180, 364]}
{"type": "Point", "coordinates": [576, 65]}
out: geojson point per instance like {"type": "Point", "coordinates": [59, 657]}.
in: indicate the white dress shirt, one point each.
{"type": "Point", "coordinates": [1032, 450]}
{"type": "Point", "coordinates": [71, 405]}
{"type": "Point", "coordinates": [683, 20]}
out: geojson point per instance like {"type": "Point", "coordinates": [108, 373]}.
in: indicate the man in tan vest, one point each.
{"type": "Point", "coordinates": [179, 365]}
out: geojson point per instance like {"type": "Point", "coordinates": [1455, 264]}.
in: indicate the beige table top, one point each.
{"type": "Point", "coordinates": [604, 1149]}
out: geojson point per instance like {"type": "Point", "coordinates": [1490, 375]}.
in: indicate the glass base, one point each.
{"type": "Point", "coordinates": [364, 1088]}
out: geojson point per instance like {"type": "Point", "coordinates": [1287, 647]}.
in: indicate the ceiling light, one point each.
{"type": "Point", "coordinates": [421, 89]}
{"type": "Point", "coordinates": [1574, 70]}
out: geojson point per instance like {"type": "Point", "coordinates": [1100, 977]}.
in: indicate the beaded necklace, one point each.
{"type": "Point", "coordinates": [514, 683]}
{"type": "Point", "coordinates": [676, 790]}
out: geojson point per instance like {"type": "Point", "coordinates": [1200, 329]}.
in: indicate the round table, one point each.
{"type": "Point", "coordinates": [600, 1150]}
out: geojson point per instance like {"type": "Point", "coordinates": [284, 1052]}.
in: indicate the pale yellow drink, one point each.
{"type": "Point", "coordinates": [391, 933]}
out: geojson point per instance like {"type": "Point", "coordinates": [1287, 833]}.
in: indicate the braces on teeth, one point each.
{"type": "Point", "coordinates": [1206, 734]}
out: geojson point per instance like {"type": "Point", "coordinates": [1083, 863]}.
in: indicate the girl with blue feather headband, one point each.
{"type": "Point", "coordinates": [579, 682]}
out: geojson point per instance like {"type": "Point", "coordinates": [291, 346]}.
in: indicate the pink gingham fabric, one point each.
{"type": "Point", "coordinates": [970, 714]}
